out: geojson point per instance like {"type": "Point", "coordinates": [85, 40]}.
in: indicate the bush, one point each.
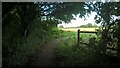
{"type": "Point", "coordinates": [69, 54]}
{"type": "Point", "coordinates": [17, 49]}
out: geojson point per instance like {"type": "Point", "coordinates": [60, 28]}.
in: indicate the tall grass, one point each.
{"type": "Point", "coordinates": [69, 54]}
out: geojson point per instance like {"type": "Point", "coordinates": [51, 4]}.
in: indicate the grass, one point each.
{"type": "Point", "coordinates": [17, 50]}
{"type": "Point", "coordinates": [84, 37]}
{"type": "Point", "coordinates": [68, 34]}
{"type": "Point", "coordinates": [69, 54]}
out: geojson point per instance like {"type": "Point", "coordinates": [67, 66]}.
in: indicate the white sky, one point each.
{"type": "Point", "coordinates": [81, 21]}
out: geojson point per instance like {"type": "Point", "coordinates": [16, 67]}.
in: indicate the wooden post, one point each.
{"type": "Point", "coordinates": [78, 37]}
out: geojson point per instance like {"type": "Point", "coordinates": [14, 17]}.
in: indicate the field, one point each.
{"type": "Point", "coordinates": [84, 37]}
{"type": "Point", "coordinates": [81, 29]}
{"type": "Point", "coordinates": [72, 32]}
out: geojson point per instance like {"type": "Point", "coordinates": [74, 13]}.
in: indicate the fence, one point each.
{"type": "Point", "coordinates": [78, 38]}
{"type": "Point", "coordinates": [78, 34]}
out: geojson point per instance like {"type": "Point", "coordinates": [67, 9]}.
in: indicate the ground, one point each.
{"type": "Point", "coordinates": [47, 56]}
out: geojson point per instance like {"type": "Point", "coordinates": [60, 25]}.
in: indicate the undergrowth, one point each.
{"type": "Point", "coordinates": [69, 54]}
{"type": "Point", "coordinates": [17, 50]}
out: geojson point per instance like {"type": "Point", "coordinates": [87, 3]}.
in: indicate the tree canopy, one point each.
{"type": "Point", "coordinates": [89, 25]}
{"type": "Point", "coordinates": [110, 26]}
{"type": "Point", "coordinates": [19, 19]}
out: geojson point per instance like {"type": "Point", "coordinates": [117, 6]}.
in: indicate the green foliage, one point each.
{"type": "Point", "coordinates": [24, 31]}
{"type": "Point", "coordinates": [18, 49]}
{"type": "Point", "coordinates": [93, 53]}
{"type": "Point", "coordinates": [84, 37]}
{"type": "Point", "coordinates": [67, 34]}
{"type": "Point", "coordinates": [110, 27]}
{"type": "Point", "coordinates": [54, 10]}
{"type": "Point", "coordinates": [71, 55]}
{"type": "Point", "coordinates": [61, 26]}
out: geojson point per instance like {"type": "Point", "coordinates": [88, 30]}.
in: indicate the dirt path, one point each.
{"type": "Point", "coordinates": [47, 56]}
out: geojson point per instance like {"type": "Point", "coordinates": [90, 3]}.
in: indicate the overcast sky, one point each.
{"type": "Point", "coordinates": [79, 21]}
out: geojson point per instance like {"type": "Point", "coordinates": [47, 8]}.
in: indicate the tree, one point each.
{"type": "Point", "coordinates": [89, 25]}
{"type": "Point", "coordinates": [61, 26]}
{"type": "Point", "coordinates": [105, 15]}
{"type": "Point", "coordinates": [18, 18]}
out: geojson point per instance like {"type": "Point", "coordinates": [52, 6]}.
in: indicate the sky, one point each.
{"type": "Point", "coordinates": [81, 21]}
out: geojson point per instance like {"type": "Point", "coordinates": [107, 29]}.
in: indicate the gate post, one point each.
{"type": "Point", "coordinates": [78, 37]}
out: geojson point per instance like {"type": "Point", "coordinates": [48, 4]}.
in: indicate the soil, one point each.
{"type": "Point", "coordinates": [46, 56]}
